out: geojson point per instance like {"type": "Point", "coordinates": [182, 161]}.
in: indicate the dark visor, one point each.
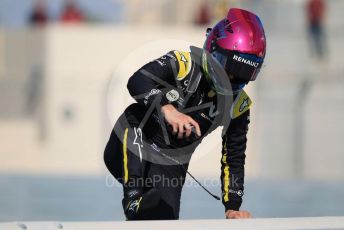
{"type": "Point", "coordinates": [216, 74]}
{"type": "Point", "coordinates": [243, 67]}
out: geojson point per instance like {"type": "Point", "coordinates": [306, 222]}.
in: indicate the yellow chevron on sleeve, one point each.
{"type": "Point", "coordinates": [184, 62]}
{"type": "Point", "coordinates": [240, 105]}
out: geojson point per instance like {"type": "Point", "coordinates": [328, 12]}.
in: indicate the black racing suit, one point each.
{"type": "Point", "coordinates": [142, 145]}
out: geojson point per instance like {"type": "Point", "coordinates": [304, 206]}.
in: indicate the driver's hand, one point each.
{"type": "Point", "coordinates": [180, 122]}
{"type": "Point", "coordinates": [232, 214]}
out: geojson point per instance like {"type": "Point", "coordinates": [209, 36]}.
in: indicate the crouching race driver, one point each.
{"type": "Point", "coordinates": [181, 97]}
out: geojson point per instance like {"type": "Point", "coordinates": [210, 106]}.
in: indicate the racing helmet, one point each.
{"type": "Point", "coordinates": [237, 44]}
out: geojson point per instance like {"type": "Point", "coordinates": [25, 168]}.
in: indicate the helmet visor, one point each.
{"type": "Point", "coordinates": [216, 74]}
{"type": "Point", "coordinates": [243, 67]}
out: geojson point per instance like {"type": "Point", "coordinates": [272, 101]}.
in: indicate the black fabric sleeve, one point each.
{"type": "Point", "coordinates": [233, 161]}
{"type": "Point", "coordinates": [151, 82]}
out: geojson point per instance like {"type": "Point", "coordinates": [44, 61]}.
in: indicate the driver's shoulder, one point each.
{"type": "Point", "coordinates": [241, 104]}
{"type": "Point", "coordinates": [183, 62]}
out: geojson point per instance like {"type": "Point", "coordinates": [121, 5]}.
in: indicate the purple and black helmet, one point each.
{"type": "Point", "coordinates": [238, 43]}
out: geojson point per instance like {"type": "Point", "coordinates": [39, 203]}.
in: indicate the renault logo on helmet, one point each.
{"type": "Point", "coordinates": [243, 60]}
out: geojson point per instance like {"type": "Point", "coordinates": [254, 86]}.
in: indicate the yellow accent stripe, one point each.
{"type": "Point", "coordinates": [125, 156]}
{"type": "Point", "coordinates": [226, 177]}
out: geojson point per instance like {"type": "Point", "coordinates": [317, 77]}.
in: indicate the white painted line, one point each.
{"type": "Point", "coordinates": [274, 223]}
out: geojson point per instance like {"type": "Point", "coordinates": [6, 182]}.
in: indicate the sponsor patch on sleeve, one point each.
{"type": "Point", "coordinates": [240, 105]}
